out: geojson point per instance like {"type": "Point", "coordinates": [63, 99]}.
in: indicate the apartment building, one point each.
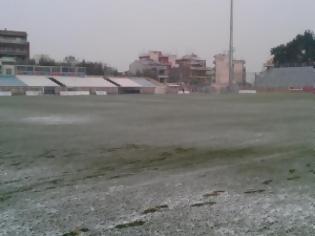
{"type": "Point", "coordinates": [193, 70]}
{"type": "Point", "coordinates": [153, 64]}
{"type": "Point", "coordinates": [14, 44]}
{"type": "Point", "coordinates": [222, 72]}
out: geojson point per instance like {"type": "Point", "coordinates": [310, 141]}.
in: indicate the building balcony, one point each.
{"type": "Point", "coordinates": [13, 41]}
{"type": "Point", "coordinates": [50, 70]}
{"type": "Point", "coordinates": [13, 51]}
{"type": "Point", "coordinates": [163, 76]}
{"type": "Point", "coordinates": [199, 68]}
{"type": "Point", "coordinates": [199, 76]}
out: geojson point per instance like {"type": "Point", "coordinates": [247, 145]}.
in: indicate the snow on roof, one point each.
{"type": "Point", "coordinates": [96, 82]}
{"type": "Point", "coordinates": [144, 83]}
{"type": "Point", "coordinates": [125, 82]}
{"type": "Point", "coordinates": [173, 85]}
{"type": "Point", "coordinates": [36, 81]}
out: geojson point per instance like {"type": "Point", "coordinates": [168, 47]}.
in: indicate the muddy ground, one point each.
{"type": "Point", "coordinates": [158, 165]}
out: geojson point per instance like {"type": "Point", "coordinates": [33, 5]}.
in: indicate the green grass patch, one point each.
{"type": "Point", "coordinates": [130, 224]}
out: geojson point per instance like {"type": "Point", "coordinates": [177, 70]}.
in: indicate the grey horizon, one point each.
{"type": "Point", "coordinates": [117, 31]}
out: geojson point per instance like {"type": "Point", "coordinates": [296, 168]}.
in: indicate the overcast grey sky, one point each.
{"type": "Point", "coordinates": [116, 31]}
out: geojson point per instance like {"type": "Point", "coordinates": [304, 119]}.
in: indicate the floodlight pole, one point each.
{"type": "Point", "coordinates": [231, 66]}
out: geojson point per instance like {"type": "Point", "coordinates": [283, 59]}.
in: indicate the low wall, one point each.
{"type": "Point", "coordinates": [5, 93]}
{"type": "Point", "coordinates": [184, 92]}
{"type": "Point", "coordinates": [247, 91]}
{"type": "Point", "coordinates": [309, 90]}
{"type": "Point", "coordinates": [14, 90]}
{"type": "Point", "coordinates": [93, 90]}
{"type": "Point", "coordinates": [173, 90]}
{"type": "Point", "coordinates": [33, 93]}
{"type": "Point", "coordinates": [101, 93]}
{"type": "Point", "coordinates": [147, 90]}
{"type": "Point", "coordinates": [108, 90]}
{"type": "Point", "coordinates": [272, 90]}
{"type": "Point", "coordinates": [131, 90]}
{"type": "Point", "coordinates": [74, 93]}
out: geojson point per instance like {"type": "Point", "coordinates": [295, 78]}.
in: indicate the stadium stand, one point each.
{"type": "Point", "coordinates": [146, 86]}
{"type": "Point", "coordinates": [285, 78]}
{"type": "Point", "coordinates": [91, 84]}
{"type": "Point", "coordinates": [36, 81]}
{"type": "Point", "coordinates": [133, 85]}
{"type": "Point", "coordinates": [11, 81]}
{"type": "Point", "coordinates": [37, 85]}
{"type": "Point", "coordinates": [124, 82]}
{"type": "Point", "coordinates": [12, 84]}
{"type": "Point", "coordinates": [126, 85]}
{"type": "Point", "coordinates": [34, 85]}
{"type": "Point", "coordinates": [144, 82]}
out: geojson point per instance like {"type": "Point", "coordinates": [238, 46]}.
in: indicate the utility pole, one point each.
{"type": "Point", "coordinates": [231, 66]}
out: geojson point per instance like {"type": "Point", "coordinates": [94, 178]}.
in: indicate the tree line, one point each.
{"type": "Point", "coordinates": [299, 51]}
{"type": "Point", "coordinates": [92, 68]}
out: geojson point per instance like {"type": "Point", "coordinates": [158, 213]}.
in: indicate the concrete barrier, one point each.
{"type": "Point", "coordinates": [5, 93]}
{"type": "Point", "coordinates": [101, 93]}
{"type": "Point", "coordinates": [184, 92]}
{"type": "Point", "coordinates": [74, 93]}
{"type": "Point", "coordinates": [247, 92]}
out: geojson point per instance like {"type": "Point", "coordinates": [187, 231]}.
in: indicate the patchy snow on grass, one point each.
{"type": "Point", "coordinates": [56, 120]}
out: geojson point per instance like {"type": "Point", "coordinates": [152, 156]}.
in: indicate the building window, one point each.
{"type": "Point", "coordinates": [162, 72]}
{"type": "Point", "coordinates": [8, 71]}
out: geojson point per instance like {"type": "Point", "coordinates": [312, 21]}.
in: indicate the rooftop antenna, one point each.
{"type": "Point", "coordinates": [231, 66]}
